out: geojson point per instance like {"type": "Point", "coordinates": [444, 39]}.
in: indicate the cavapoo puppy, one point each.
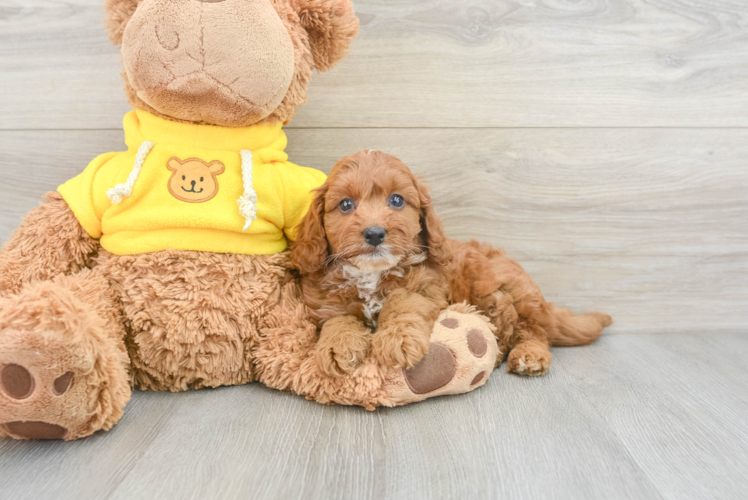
{"type": "Point", "coordinates": [376, 270]}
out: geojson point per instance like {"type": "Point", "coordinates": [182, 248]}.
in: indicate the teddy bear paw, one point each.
{"type": "Point", "coordinates": [48, 382]}
{"type": "Point", "coordinates": [461, 357]}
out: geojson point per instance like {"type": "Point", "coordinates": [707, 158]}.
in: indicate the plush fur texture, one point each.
{"type": "Point", "coordinates": [69, 326]}
{"type": "Point", "coordinates": [193, 317]}
{"type": "Point", "coordinates": [168, 320]}
{"type": "Point", "coordinates": [332, 239]}
{"type": "Point", "coordinates": [49, 242]}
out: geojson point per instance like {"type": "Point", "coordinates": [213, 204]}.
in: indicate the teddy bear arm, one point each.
{"type": "Point", "coordinates": [49, 242]}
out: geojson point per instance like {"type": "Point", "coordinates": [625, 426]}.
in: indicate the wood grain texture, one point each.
{"type": "Point", "coordinates": [599, 141]}
{"type": "Point", "coordinates": [650, 226]}
{"type": "Point", "coordinates": [634, 416]}
{"type": "Point", "coordinates": [433, 63]}
{"type": "Point", "coordinates": [676, 401]}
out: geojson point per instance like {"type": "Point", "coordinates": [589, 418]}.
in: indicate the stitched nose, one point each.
{"type": "Point", "coordinates": [193, 184]}
{"type": "Point", "coordinates": [374, 235]}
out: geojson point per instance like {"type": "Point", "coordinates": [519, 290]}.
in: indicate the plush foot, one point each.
{"type": "Point", "coordinates": [461, 357]}
{"type": "Point", "coordinates": [61, 376]}
{"type": "Point", "coordinates": [530, 358]}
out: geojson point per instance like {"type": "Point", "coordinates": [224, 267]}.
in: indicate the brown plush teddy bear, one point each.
{"type": "Point", "coordinates": [164, 266]}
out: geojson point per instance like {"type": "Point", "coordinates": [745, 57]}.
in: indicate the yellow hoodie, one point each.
{"type": "Point", "coordinates": [181, 186]}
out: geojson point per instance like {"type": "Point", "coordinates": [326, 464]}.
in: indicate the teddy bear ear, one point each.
{"type": "Point", "coordinates": [216, 167]}
{"type": "Point", "coordinates": [331, 26]}
{"type": "Point", "coordinates": [118, 13]}
{"type": "Point", "coordinates": [173, 164]}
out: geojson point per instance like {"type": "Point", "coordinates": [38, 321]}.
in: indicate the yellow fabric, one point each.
{"type": "Point", "coordinates": [152, 219]}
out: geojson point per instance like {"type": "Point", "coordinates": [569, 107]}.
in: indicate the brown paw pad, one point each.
{"type": "Point", "coordinates": [476, 343]}
{"type": "Point", "coordinates": [16, 381]}
{"type": "Point", "coordinates": [434, 371]}
{"type": "Point", "coordinates": [478, 378]}
{"type": "Point", "coordinates": [450, 323]}
{"type": "Point", "coordinates": [62, 383]}
{"type": "Point", "coordinates": [34, 430]}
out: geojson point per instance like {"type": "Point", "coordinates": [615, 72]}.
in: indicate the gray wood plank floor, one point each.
{"type": "Point", "coordinates": [633, 416]}
{"type": "Point", "coordinates": [604, 143]}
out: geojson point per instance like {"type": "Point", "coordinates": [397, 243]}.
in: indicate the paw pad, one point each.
{"type": "Point", "coordinates": [461, 357]}
{"type": "Point", "coordinates": [17, 381]}
{"type": "Point", "coordinates": [476, 342]}
{"type": "Point", "coordinates": [433, 372]}
{"type": "Point", "coordinates": [62, 383]}
{"type": "Point", "coordinates": [450, 323]}
{"type": "Point", "coordinates": [478, 378]}
{"type": "Point", "coordinates": [35, 430]}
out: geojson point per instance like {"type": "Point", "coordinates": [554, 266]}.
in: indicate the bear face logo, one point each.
{"type": "Point", "coordinates": [194, 180]}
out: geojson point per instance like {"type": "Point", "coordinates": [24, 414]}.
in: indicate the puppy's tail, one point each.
{"type": "Point", "coordinates": [572, 329]}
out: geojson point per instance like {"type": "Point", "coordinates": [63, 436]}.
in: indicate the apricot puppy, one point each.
{"type": "Point", "coordinates": [371, 251]}
{"type": "Point", "coordinates": [376, 270]}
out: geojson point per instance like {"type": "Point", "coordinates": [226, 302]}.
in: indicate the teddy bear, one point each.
{"type": "Point", "coordinates": [165, 267]}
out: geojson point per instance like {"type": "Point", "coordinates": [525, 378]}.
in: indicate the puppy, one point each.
{"type": "Point", "coordinates": [373, 258]}
{"type": "Point", "coordinates": [371, 252]}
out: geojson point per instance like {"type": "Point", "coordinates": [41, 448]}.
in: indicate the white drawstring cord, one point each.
{"type": "Point", "coordinates": [248, 201]}
{"type": "Point", "coordinates": [125, 189]}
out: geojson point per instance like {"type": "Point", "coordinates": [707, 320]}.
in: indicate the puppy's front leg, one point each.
{"type": "Point", "coordinates": [405, 325]}
{"type": "Point", "coordinates": [342, 345]}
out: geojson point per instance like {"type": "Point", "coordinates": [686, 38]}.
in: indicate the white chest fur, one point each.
{"type": "Point", "coordinates": [367, 284]}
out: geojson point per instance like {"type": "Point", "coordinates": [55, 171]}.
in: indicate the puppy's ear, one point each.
{"type": "Point", "coordinates": [432, 232]}
{"type": "Point", "coordinates": [310, 250]}
{"type": "Point", "coordinates": [331, 26]}
{"type": "Point", "coordinates": [118, 13]}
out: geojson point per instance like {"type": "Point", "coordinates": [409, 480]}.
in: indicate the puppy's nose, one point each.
{"type": "Point", "coordinates": [374, 235]}
{"type": "Point", "coordinates": [193, 183]}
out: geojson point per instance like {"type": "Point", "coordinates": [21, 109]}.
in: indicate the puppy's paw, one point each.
{"type": "Point", "coordinates": [400, 350]}
{"type": "Point", "coordinates": [530, 358]}
{"type": "Point", "coordinates": [337, 359]}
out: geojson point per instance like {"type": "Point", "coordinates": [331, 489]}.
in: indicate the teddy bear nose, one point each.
{"type": "Point", "coordinates": [193, 184]}
{"type": "Point", "coordinates": [374, 235]}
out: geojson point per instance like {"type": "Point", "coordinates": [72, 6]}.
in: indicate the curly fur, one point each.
{"type": "Point", "coordinates": [351, 286]}
{"type": "Point", "coordinates": [482, 275]}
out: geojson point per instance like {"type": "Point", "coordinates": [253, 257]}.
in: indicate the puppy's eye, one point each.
{"type": "Point", "coordinates": [346, 205]}
{"type": "Point", "coordinates": [396, 201]}
{"type": "Point", "coordinates": [201, 179]}
{"type": "Point", "coordinates": [183, 177]}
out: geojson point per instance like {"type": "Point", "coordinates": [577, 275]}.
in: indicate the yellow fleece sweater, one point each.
{"type": "Point", "coordinates": [193, 187]}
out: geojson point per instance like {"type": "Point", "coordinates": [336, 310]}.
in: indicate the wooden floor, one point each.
{"type": "Point", "coordinates": [604, 143]}
{"type": "Point", "coordinates": [633, 416]}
